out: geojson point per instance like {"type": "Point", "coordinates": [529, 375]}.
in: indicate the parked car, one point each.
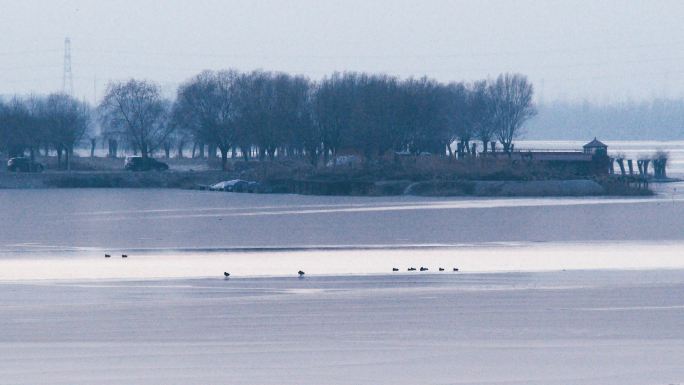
{"type": "Point", "coordinates": [138, 163]}
{"type": "Point", "coordinates": [23, 164]}
{"type": "Point", "coordinates": [237, 185]}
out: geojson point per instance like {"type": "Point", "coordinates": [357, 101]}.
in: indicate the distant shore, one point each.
{"type": "Point", "coordinates": [421, 176]}
{"type": "Point", "coordinates": [359, 187]}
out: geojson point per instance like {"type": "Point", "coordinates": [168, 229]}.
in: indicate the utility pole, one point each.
{"type": "Point", "coordinates": [67, 77]}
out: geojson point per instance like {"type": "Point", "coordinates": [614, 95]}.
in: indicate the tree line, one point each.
{"type": "Point", "coordinates": [266, 115]}
{"type": "Point", "coordinates": [55, 122]}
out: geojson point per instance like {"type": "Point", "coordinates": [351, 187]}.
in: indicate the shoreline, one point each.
{"type": "Point", "coordinates": [200, 180]}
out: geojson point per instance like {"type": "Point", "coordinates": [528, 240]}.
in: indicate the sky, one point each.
{"type": "Point", "coordinates": [600, 51]}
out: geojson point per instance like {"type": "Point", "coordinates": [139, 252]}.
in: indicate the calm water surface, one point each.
{"type": "Point", "coordinates": [161, 219]}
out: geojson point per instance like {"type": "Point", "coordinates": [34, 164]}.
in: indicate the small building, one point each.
{"type": "Point", "coordinates": [590, 161]}
{"type": "Point", "coordinates": [596, 147]}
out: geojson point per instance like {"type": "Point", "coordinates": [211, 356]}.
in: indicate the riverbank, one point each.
{"type": "Point", "coordinates": [318, 186]}
{"type": "Point", "coordinates": [421, 176]}
{"type": "Point", "coordinates": [198, 179]}
{"type": "Point", "coordinates": [111, 179]}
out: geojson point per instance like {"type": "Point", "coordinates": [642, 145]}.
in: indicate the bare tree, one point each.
{"type": "Point", "coordinates": [512, 98]}
{"type": "Point", "coordinates": [427, 116]}
{"type": "Point", "coordinates": [68, 120]}
{"type": "Point", "coordinates": [20, 128]}
{"type": "Point", "coordinates": [206, 105]}
{"type": "Point", "coordinates": [137, 109]}
{"type": "Point", "coordinates": [454, 101]}
{"type": "Point", "coordinates": [479, 112]}
{"type": "Point", "coordinates": [333, 107]}
{"type": "Point", "coordinates": [274, 114]}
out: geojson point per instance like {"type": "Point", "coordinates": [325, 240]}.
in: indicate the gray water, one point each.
{"type": "Point", "coordinates": [44, 220]}
{"type": "Point", "coordinates": [581, 328]}
{"type": "Point", "coordinates": [70, 316]}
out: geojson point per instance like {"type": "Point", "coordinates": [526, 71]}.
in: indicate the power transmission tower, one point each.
{"type": "Point", "coordinates": [67, 79]}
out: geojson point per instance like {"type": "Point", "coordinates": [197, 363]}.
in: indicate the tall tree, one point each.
{"type": "Point", "coordinates": [67, 120]}
{"type": "Point", "coordinates": [479, 112]}
{"type": "Point", "coordinates": [512, 99]}
{"type": "Point", "coordinates": [19, 130]}
{"type": "Point", "coordinates": [207, 106]}
{"type": "Point", "coordinates": [431, 121]}
{"type": "Point", "coordinates": [137, 109]}
{"type": "Point", "coordinates": [333, 107]}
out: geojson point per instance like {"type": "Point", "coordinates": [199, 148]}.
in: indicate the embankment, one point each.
{"type": "Point", "coordinates": [580, 187]}
{"type": "Point", "coordinates": [313, 186]}
{"type": "Point", "coordinates": [112, 179]}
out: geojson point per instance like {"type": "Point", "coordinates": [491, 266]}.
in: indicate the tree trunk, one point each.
{"type": "Point", "coordinates": [113, 148]}
{"type": "Point", "coordinates": [93, 143]}
{"type": "Point", "coordinates": [180, 149]}
{"type": "Point", "coordinates": [67, 157]}
{"type": "Point", "coordinates": [59, 157]}
{"type": "Point", "coordinates": [621, 163]}
{"type": "Point", "coordinates": [224, 158]}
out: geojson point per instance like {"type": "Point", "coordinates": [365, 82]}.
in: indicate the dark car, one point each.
{"type": "Point", "coordinates": [23, 164]}
{"type": "Point", "coordinates": [236, 185]}
{"type": "Point", "coordinates": [138, 163]}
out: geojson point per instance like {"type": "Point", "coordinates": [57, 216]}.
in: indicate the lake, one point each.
{"type": "Point", "coordinates": [550, 291]}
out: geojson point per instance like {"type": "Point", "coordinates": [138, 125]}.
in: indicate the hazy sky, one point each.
{"type": "Point", "coordinates": [599, 50]}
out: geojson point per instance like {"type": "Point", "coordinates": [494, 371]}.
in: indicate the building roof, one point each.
{"type": "Point", "coordinates": [551, 156]}
{"type": "Point", "coordinates": [595, 143]}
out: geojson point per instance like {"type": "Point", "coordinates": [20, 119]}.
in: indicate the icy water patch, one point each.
{"type": "Point", "coordinates": [554, 328]}
{"type": "Point", "coordinates": [322, 261]}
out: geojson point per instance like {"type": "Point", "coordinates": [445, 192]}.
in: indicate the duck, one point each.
{"type": "Point", "coordinates": [455, 268]}
{"type": "Point", "coordinates": [395, 269]}
{"type": "Point", "coordinates": [107, 256]}
{"type": "Point", "coordinates": [226, 274]}
{"type": "Point", "coordinates": [411, 269]}
{"type": "Point", "coordinates": [301, 273]}
{"type": "Point", "coordinates": [124, 255]}
{"type": "Point", "coordinates": [441, 269]}
{"type": "Point", "coordinates": [423, 268]}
